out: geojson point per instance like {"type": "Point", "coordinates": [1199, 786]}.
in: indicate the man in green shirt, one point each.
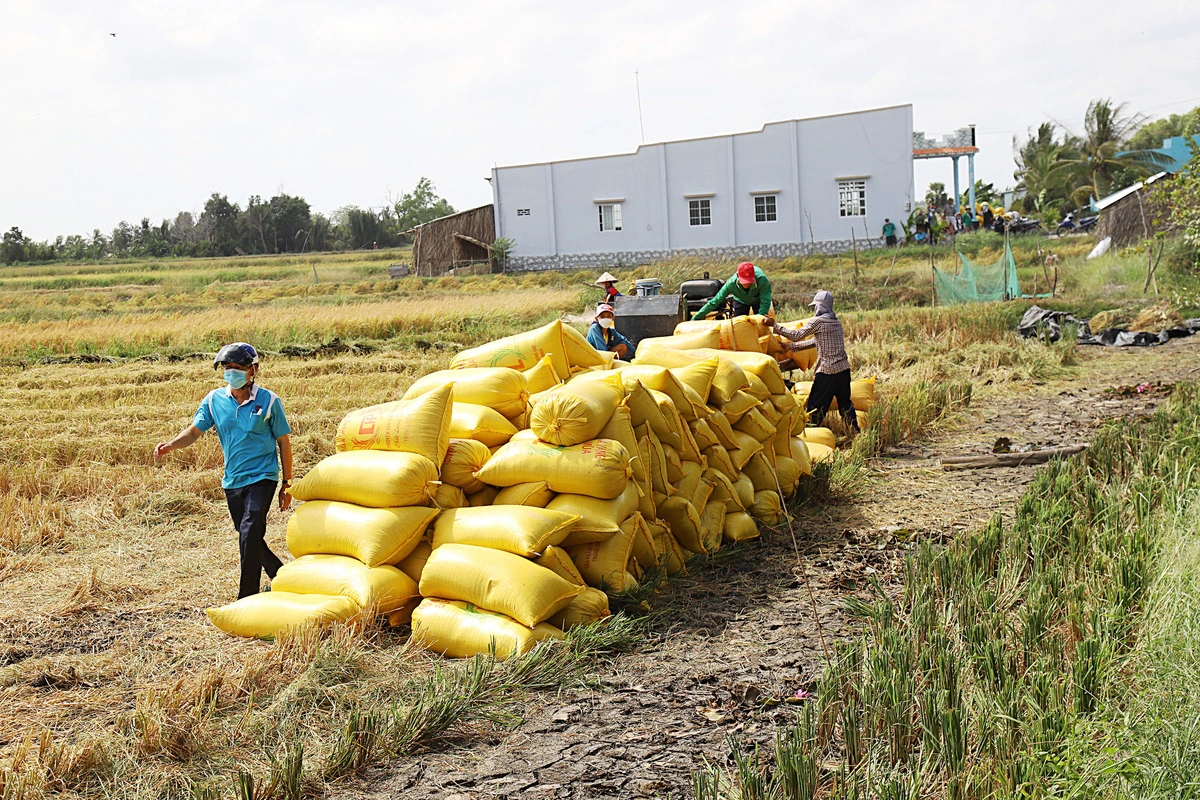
{"type": "Point", "coordinates": [749, 290]}
{"type": "Point", "coordinates": [889, 232]}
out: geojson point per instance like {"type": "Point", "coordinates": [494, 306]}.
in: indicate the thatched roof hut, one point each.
{"type": "Point", "coordinates": [458, 240]}
{"type": "Point", "coordinates": [1133, 213]}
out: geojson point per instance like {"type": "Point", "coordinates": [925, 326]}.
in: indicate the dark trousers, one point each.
{"type": "Point", "coordinates": [824, 389]}
{"type": "Point", "coordinates": [248, 507]}
{"type": "Point", "coordinates": [743, 309]}
{"type": "Point", "coordinates": [891, 241]}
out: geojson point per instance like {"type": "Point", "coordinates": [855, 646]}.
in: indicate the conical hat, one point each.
{"type": "Point", "coordinates": [605, 278]}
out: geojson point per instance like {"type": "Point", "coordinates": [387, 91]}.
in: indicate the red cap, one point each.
{"type": "Point", "coordinates": [745, 272]}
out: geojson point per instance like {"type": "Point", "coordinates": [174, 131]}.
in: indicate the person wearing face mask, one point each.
{"type": "Point", "coordinates": [251, 425]}
{"type": "Point", "coordinates": [603, 334]}
{"type": "Point", "coordinates": [749, 290]}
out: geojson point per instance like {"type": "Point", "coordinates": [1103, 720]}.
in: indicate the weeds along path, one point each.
{"type": "Point", "coordinates": [737, 638]}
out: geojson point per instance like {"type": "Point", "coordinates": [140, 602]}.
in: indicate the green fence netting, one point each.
{"type": "Point", "coordinates": [978, 283]}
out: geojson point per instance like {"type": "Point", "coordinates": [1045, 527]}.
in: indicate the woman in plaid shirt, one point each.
{"type": "Point", "coordinates": [832, 377]}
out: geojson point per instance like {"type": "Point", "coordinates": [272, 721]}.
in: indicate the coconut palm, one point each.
{"type": "Point", "coordinates": [1091, 169]}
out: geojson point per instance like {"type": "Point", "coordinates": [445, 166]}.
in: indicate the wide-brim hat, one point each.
{"type": "Point", "coordinates": [607, 277]}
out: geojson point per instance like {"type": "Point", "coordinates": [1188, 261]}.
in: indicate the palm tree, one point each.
{"type": "Point", "coordinates": [1098, 157]}
{"type": "Point", "coordinates": [1038, 166]}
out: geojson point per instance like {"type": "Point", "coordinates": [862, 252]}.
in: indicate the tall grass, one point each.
{"type": "Point", "coordinates": [1004, 646]}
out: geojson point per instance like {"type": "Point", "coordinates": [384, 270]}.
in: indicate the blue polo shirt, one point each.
{"type": "Point", "coordinates": [247, 432]}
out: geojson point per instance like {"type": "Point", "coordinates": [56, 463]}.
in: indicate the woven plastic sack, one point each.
{"type": "Point", "coordinates": [522, 530]}
{"type": "Point", "coordinates": [462, 630]}
{"type": "Point", "coordinates": [484, 497]}
{"type": "Point", "coordinates": [384, 588]}
{"type": "Point", "coordinates": [520, 352]}
{"type": "Point", "coordinates": [481, 423]}
{"type": "Point", "coordinates": [722, 429]}
{"type": "Point", "coordinates": [762, 365]}
{"type": "Point", "coordinates": [674, 464]}
{"type": "Point", "coordinates": [822, 436]}
{"type": "Point", "coordinates": [577, 411]}
{"type": "Point", "coordinates": [788, 472]}
{"type": "Point", "coordinates": [591, 606]}
{"type": "Point", "coordinates": [819, 452]}
{"type": "Point", "coordinates": [541, 376]}
{"type": "Point", "coordinates": [498, 581]}
{"type": "Point", "coordinates": [656, 458]}
{"type": "Point", "coordinates": [668, 548]}
{"type": "Point", "coordinates": [499, 388]}
{"type": "Point", "coordinates": [448, 496]}
{"type": "Point", "coordinates": [581, 354]}
{"type": "Point", "coordinates": [684, 521]}
{"type": "Point", "coordinates": [703, 434]}
{"type": "Point", "coordinates": [745, 491]}
{"type": "Point", "coordinates": [464, 457]}
{"type": "Point", "coordinates": [535, 494]}
{"type": "Point", "coordinates": [799, 453]}
{"type": "Point", "coordinates": [620, 428]}
{"type": "Point", "coordinates": [372, 535]}
{"type": "Point", "coordinates": [558, 561]}
{"type": "Point", "coordinates": [803, 359]}
{"type": "Point", "coordinates": [754, 423]}
{"type": "Point", "coordinates": [739, 527]}
{"type": "Point", "coordinates": [599, 468]}
{"type": "Point", "coordinates": [683, 341]}
{"type": "Point", "coordinates": [712, 526]}
{"type": "Point", "coordinates": [644, 551]}
{"type": "Point", "coordinates": [783, 435]}
{"type": "Point", "coordinates": [756, 387]}
{"type": "Point", "coordinates": [374, 478]}
{"type": "Point", "coordinates": [412, 564]}
{"type": "Point", "coordinates": [738, 333]}
{"type": "Point", "coordinates": [604, 565]}
{"type": "Point", "coordinates": [747, 447]}
{"type": "Point", "coordinates": [268, 614]}
{"type": "Point", "coordinates": [719, 459]}
{"type": "Point", "coordinates": [645, 409]}
{"type": "Point", "coordinates": [596, 519]}
{"type": "Point", "coordinates": [729, 377]}
{"type": "Point", "coordinates": [420, 426]}
{"type": "Point", "coordinates": [767, 508]}
{"type": "Point", "coordinates": [698, 377]}
{"type": "Point", "coordinates": [760, 473]}
{"type": "Point", "coordinates": [659, 379]}
{"type": "Point", "coordinates": [742, 402]}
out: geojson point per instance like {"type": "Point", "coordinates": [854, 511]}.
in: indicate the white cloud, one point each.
{"type": "Point", "coordinates": [344, 102]}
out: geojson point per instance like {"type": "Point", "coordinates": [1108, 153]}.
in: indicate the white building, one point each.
{"type": "Point", "coordinates": [795, 187]}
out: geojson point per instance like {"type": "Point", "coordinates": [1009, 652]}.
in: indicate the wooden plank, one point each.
{"type": "Point", "coordinates": [991, 460]}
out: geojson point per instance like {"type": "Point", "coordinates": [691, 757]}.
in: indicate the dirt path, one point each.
{"type": "Point", "coordinates": [743, 630]}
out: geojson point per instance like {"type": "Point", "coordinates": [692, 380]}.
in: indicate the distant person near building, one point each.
{"type": "Point", "coordinates": [889, 232]}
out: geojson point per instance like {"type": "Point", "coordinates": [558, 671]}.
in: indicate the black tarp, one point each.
{"type": "Point", "coordinates": [1047, 324]}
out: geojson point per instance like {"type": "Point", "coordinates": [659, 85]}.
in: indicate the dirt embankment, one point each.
{"type": "Point", "coordinates": [741, 636]}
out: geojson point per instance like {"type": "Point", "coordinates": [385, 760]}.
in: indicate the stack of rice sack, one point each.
{"type": "Point", "coordinates": [364, 512]}
{"type": "Point", "coordinates": [862, 395]}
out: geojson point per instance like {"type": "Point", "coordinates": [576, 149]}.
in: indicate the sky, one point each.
{"type": "Point", "coordinates": [351, 103]}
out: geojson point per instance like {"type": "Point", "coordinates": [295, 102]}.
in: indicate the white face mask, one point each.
{"type": "Point", "coordinates": [605, 322]}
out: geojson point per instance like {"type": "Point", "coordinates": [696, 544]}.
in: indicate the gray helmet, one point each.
{"type": "Point", "coordinates": [239, 354]}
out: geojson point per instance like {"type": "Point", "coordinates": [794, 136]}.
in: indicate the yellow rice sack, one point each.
{"type": "Point", "coordinates": [819, 452]}
{"type": "Point", "coordinates": [783, 435]}
{"type": "Point", "coordinates": [767, 508]}
{"type": "Point", "coordinates": [742, 402]}
{"type": "Point", "coordinates": [581, 354]}
{"type": "Point", "coordinates": [799, 453]}
{"type": "Point", "coordinates": [667, 547]}
{"type": "Point", "coordinates": [499, 388]}
{"type": "Point", "coordinates": [596, 519]}
{"type": "Point", "coordinates": [739, 527]}
{"type": "Point", "coordinates": [755, 424]}
{"type": "Point", "coordinates": [699, 376]}
{"type": "Point", "coordinates": [723, 489]}
{"type": "Point", "coordinates": [788, 472]}
{"type": "Point", "coordinates": [412, 564]}
{"type": "Point", "coordinates": [645, 408]}
{"type": "Point", "coordinates": [541, 376]}
{"type": "Point", "coordinates": [448, 496]}
{"type": "Point", "coordinates": [385, 588]}
{"type": "Point", "coordinates": [712, 526]}
{"type": "Point", "coordinates": [803, 359]}
{"type": "Point", "coordinates": [722, 429]}
{"type": "Point", "coordinates": [403, 615]}
{"type": "Point", "coordinates": [659, 379]}
{"type": "Point", "coordinates": [747, 447]}
{"type": "Point", "coordinates": [703, 434]}
{"type": "Point", "coordinates": [604, 565]}
{"type": "Point", "coordinates": [523, 530]}
{"type": "Point", "coordinates": [691, 478]}
{"type": "Point", "coordinates": [520, 352]}
{"type": "Point", "coordinates": [645, 553]}
{"type": "Point", "coordinates": [577, 412]}
{"type": "Point", "coordinates": [683, 341]}
{"type": "Point", "coordinates": [464, 457]}
{"type": "Point", "coordinates": [268, 614]}
{"type": "Point", "coordinates": [756, 387]}
{"type": "Point", "coordinates": [374, 478]}
{"type": "Point", "coordinates": [657, 459]}
{"type": "Point", "coordinates": [674, 464]}
{"type": "Point", "coordinates": [480, 423]}
{"type": "Point", "coordinates": [462, 630]}
{"type": "Point", "coordinates": [599, 468]}
{"type": "Point", "coordinates": [683, 519]}
{"type": "Point", "coordinates": [420, 426]}
{"type": "Point", "coordinates": [729, 377]}
{"type": "Point", "coordinates": [862, 393]}
{"type": "Point", "coordinates": [764, 366]}
{"type": "Point", "coordinates": [620, 428]}
{"type": "Point", "coordinates": [819, 436]}
{"type": "Point", "coordinates": [745, 491]}
{"type": "Point", "coordinates": [738, 333]}
{"type": "Point", "coordinates": [372, 535]}
{"type": "Point", "coordinates": [498, 581]}
{"type": "Point", "coordinates": [719, 459]}
{"type": "Point", "coordinates": [484, 497]}
{"type": "Point", "coordinates": [760, 473]}
{"type": "Point", "coordinates": [558, 561]}
{"type": "Point", "coordinates": [535, 494]}
{"type": "Point", "coordinates": [591, 606]}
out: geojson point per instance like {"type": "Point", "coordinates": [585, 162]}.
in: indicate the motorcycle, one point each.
{"type": "Point", "coordinates": [1016, 224]}
{"type": "Point", "coordinates": [1069, 225]}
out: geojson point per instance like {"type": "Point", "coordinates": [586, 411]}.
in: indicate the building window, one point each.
{"type": "Point", "coordinates": [700, 212]}
{"type": "Point", "coordinates": [610, 216]}
{"type": "Point", "coordinates": [764, 208]}
{"type": "Point", "coordinates": [852, 198]}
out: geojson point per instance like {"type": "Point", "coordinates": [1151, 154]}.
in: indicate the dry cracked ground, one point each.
{"type": "Point", "coordinates": [745, 632]}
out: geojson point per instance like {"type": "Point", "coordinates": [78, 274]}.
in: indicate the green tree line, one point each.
{"type": "Point", "coordinates": [1062, 171]}
{"type": "Point", "coordinates": [282, 224]}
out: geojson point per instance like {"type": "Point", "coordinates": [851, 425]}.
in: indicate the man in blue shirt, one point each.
{"type": "Point", "coordinates": [250, 423]}
{"type": "Point", "coordinates": [603, 335]}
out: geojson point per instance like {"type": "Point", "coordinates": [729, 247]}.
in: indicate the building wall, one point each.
{"type": "Point", "coordinates": [551, 210]}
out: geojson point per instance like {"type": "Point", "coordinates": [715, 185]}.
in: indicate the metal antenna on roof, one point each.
{"type": "Point", "coordinates": [638, 83]}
